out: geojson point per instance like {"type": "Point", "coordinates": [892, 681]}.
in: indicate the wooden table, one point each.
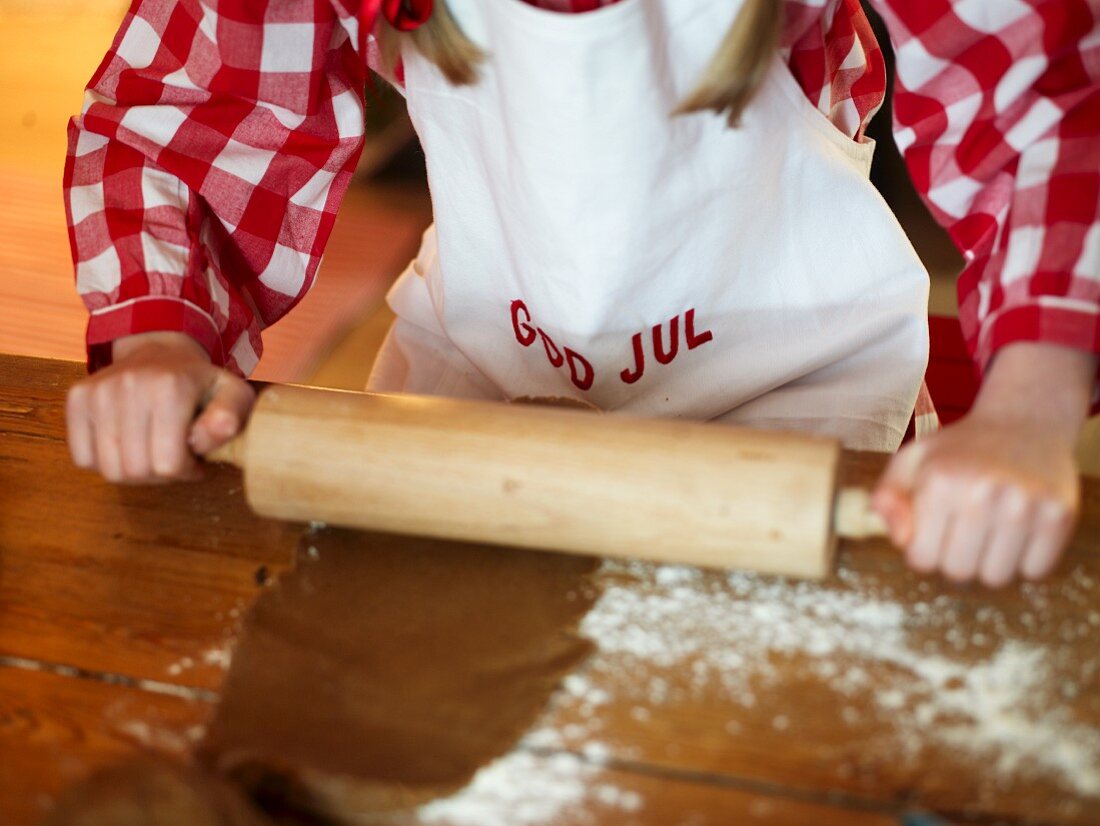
{"type": "Point", "coordinates": [118, 607]}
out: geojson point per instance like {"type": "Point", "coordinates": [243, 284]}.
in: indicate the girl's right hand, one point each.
{"type": "Point", "coordinates": [158, 406]}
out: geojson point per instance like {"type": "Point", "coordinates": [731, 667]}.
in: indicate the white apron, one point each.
{"type": "Point", "coordinates": [588, 244]}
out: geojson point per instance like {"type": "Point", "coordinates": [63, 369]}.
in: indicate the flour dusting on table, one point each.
{"type": "Point", "coordinates": [988, 692]}
{"type": "Point", "coordinates": [523, 789]}
{"type": "Point", "coordinates": [894, 666]}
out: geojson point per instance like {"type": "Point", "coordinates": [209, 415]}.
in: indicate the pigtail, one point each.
{"type": "Point", "coordinates": [739, 67]}
{"type": "Point", "coordinates": [439, 40]}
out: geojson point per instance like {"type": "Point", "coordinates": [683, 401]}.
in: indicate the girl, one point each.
{"type": "Point", "coordinates": [658, 206]}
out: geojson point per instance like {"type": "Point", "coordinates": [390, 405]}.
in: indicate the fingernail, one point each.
{"type": "Point", "coordinates": [1033, 570]}
{"type": "Point", "coordinates": [920, 561]}
{"type": "Point", "coordinates": [224, 423]}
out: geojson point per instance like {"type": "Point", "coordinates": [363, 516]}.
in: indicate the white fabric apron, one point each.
{"type": "Point", "coordinates": [587, 244]}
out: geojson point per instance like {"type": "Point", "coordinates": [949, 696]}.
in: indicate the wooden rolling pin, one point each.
{"type": "Point", "coordinates": [550, 478]}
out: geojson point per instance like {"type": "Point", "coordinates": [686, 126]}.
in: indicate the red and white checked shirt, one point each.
{"type": "Point", "coordinates": [219, 136]}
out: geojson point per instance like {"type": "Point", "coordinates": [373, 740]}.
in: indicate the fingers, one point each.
{"type": "Point", "coordinates": [105, 418]}
{"type": "Point", "coordinates": [224, 415]}
{"type": "Point", "coordinates": [1053, 526]}
{"type": "Point", "coordinates": [966, 539]}
{"type": "Point", "coordinates": [902, 471]}
{"type": "Point", "coordinates": [79, 425]}
{"type": "Point", "coordinates": [932, 514]}
{"type": "Point", "coordinates": [132, 425]}
{"type": "Point", "coordinates": [892, 497]}
{"type": "Point", "coordinates": [969, 529]}
{"type": "Point", "coordinates": [896, 510]}
{"type": "Point", "coordinates": [133, 434]}
{"type": "Point", "coordinates": [175, 404]}
{"type": "Point", "coordinates": [1006, 547]}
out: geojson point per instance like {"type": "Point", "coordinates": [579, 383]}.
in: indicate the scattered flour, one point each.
{"type": "Point", "coordinates": [900, 663]}
{"type": "Point", "coordinates": [179, 666]}
{"type": "Point", "coordinates": [219, 656]}
{"type": "Point", "coordinates": [523, 789]}
{"type": "Point", "coordinates": [988, 692]}
{"type": "Point", "coordinates": [161, 739]}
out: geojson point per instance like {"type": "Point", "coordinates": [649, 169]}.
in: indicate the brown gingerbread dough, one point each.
{"type": "Point", "coordinates": [383, 671]}
{"type": "Point", "coordinates": [153, 792]}
{"type": "Point", "coordinates": [556, 401]}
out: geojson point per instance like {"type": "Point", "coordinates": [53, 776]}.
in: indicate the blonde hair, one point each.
{"type": "Point", "coordinates": [735, 74]}
{"type": "Point", "coordinates": [439, 40]}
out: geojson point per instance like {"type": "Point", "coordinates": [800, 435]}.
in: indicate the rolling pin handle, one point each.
{"type": "Point", "coordinates": [853, 516]}
{"type": "Point", "coordinates": [231, 453]}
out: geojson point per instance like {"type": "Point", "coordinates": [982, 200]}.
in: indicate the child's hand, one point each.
{"type": "Point", "coordinates": [982, 499]}
{"type": "Point", "coordinates": [996, 494]}
{"type": "Point", "coordinates": [135, 421]}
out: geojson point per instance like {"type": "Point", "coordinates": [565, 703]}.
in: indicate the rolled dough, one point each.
{"type": "Point", "coordinates": [556, 401]}
{"type": "Point", "coordinates": [382, 672]}
{"type": "Point", "coordinates": [153, 792]}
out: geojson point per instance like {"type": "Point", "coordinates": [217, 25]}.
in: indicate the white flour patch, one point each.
{"type": "Point", "coordinates": [179, 666]}
{"type": "Point", "coordinates": [160, 738]}
{"type": "Point", "coordinates": [522, 789]}
{"type": "Point", "coordinates": [901, 663]}
{"type": "Point", "coordinates": [219, 656]}
{"type": "Point", "coordinates": [988, 692]}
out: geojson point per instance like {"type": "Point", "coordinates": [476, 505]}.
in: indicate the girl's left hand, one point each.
{"type": "Point", "coordinates": [982, 499]}
{"type": "Point", "coordinates": [996, 494]}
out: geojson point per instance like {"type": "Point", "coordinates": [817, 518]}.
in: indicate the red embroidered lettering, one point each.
{"type": "Point", "coordinates": [626, 375]}
{"type": "Point", "coordinates": [525, 333]}
{"type": "Point", "coordinates": [674, 341]}
{"type": "Point", "coordinates": [552, 351]}
{"type": "Point", "coordinates": [582, 381]}
{"type": "Point", "coordinates": [694, 340]}
{"type": "Point", "coordinates": [581, 371]}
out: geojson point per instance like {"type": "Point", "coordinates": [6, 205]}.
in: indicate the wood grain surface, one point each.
{"type": "Point", "coordinates": [119, 607]}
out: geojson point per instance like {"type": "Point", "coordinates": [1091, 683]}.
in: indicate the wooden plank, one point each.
{"type": "Point", "coordinates": [565, 789]}
{"type": "Point", "coordinates": [55, 730]}
{"type": "Point", "coordinates": [142, 581]}
{"type": "Point", "coordinates": [59, 729]}
{"type": "Point", "coordinates": [668, 695]}
{"type": "Point", "coordinates": [880, 683]}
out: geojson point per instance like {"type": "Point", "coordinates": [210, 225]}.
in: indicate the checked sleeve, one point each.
{"type": "Point", "coordinates": [204, 172]}
{"type": "Point", "coordinates": [997, 112]}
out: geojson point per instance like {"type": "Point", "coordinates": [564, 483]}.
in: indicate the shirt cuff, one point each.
{"type": "Point", "coordinates": [1068, 322]}
{"type": "Point", "coordinates": [150, 314]}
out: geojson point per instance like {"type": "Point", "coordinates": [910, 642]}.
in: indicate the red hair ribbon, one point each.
{"type": "Point", "coordinates": [406, 15]}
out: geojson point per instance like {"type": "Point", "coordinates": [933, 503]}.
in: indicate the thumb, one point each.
{"type": "Point", "coordinates": [230, 400]}
{"type": "Point", "coordinates": [892, 497]}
